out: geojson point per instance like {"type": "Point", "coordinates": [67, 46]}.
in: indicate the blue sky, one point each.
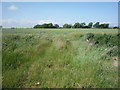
{"type": "Point", "coordinates": [27, 14]}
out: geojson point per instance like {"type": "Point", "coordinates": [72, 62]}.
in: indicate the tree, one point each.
{"type": "Point", "coordinates": [67, 26]}
{"type": "Point", "coordinates": [90, 24]}
{"type": "Point", "coordinates": [45, 25]}
{"type": "Point", "coordinates": [101, 25]}
{"type": "Point", "coordinates": [96, 25]}
{"type": "Point", "coordinates": [12, 27]}
{"type": "Point", "coordinates": [115, 27]}
{"type": "Point", "coordinates": [86, 27]}
{"type": "Point", "coordinates": [56, 25]}
{"type": "Point", "coordinates": [104, 25]}
{"type": "Point", "coordinates": [82, 25]}
{"type": "Point", "coordinates": [36, 26]}
{"type": "Point", "coordinates": [50, 25]}
{"type": "Point", "coordinates": [76, 25]}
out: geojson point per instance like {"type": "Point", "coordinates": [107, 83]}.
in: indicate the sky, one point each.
{"type": "Point", "coordinates": [28, 14]}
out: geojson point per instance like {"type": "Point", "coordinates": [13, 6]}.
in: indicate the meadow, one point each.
{"type": "Point", "coordinates": [60, 58]}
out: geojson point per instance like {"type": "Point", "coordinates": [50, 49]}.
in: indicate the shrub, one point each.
{"type": "Point", "coordinates": [89, 36]}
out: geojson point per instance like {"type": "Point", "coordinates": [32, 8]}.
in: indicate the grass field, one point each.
{"type": "Point", "coordinates": [60, 58]}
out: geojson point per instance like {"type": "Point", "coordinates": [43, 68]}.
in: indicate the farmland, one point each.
{"type": "Point", "coordinates": [60, 58]}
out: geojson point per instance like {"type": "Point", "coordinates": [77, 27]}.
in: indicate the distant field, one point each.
{"type": "Point", "coordinates": [58, 31]}
{"type": "Point", "coordinates": [60, 58]}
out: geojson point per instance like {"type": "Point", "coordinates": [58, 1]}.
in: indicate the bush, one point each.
{"type": "Point", "coordinates": [89, 36]}
{"type": "Point", "coordinates": [106, 39]}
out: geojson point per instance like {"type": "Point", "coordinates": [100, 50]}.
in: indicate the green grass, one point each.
{"type": "Point", "coordinates": [58, 59]}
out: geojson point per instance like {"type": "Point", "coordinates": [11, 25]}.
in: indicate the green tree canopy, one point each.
{"type": "Point", "coordinates": [90, 24]}
{"type": "Point", "coordinates": [76, 25]}
{"type": "Point", "coordinates": [67, 26]}
{"type": "Point", "coordinates": [49, 25]}
{"type": "Point", "coordinates": [82, 24]}
{"type": "Point", "coordinates": [56, 25]}
{"type": "Point", "coordinates": [96, 25]}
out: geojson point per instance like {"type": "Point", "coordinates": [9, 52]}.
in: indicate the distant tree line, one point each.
{"type": "Point", "coordinates": [83, 25]}
{"type": "Point", "coordinates": [50, 25]}
{"type": "Point", "coordinates": [76, 25]}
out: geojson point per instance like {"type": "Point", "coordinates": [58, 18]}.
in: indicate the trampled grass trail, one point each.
{"type": "Point", "coordinates": [56, 60]}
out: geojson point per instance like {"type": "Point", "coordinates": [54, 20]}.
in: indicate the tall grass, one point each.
{"type": "Point", "coordinates": [57, 61]}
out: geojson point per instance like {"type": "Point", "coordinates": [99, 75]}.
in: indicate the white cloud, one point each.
{"type": "Point", "coordinates": [13, 8]}
{"type": "Point", "coordinates": [45, 21]}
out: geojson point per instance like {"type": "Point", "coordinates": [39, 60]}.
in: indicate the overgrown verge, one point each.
{"type": "Point", "coordinates": [107, 40]}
